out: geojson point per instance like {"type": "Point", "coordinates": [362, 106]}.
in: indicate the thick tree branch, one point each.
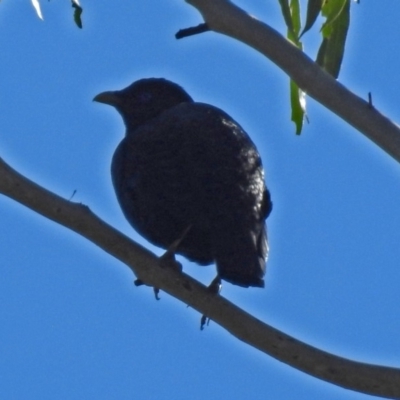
{"type": "Point", "coordinates": [224, 17]}
{"type": "Point", "coordinates": [366, 378]}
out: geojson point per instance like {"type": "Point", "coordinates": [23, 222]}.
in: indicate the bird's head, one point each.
{"type": "Point", "coordinates": [144, 100]}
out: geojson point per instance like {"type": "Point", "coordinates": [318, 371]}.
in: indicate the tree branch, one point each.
{"type": "Point", "coordinates": [224, 17]}
{"type": "Point", "coordinates": [195, 30]}
{"type": "Point", "coordinates": [366, 378]}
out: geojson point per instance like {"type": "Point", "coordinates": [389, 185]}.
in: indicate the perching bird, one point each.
{"type": "Point", "coordinates": [189, 167]}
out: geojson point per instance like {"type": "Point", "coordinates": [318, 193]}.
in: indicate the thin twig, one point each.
{"type": "Point", "coordinates": [195, 30]}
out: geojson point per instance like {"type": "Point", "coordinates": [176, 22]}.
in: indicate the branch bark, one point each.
{"type": "Point", "coordinates": [361, 377]}
{"type": "Point", "coordinates": [224, 17]}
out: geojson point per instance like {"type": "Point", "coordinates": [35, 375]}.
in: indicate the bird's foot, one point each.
{"type": "Point", "coordinates": [214, 287]}
{"type": "Point", "coordinates": [139, 282]}
{"type": "Point", "coordinates": [174, 245]}
{"type": "Point", "coordinates": [167, 260]}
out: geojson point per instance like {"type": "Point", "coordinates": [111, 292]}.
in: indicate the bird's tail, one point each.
{"type": "Point", "coordinates": [244, 263]}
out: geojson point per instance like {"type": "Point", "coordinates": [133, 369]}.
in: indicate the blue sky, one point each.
{"type": "Point", "coordinates": [73, 325]}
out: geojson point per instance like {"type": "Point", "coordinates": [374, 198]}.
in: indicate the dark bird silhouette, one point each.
{"type": "Point", "coordinates": [189, 167]}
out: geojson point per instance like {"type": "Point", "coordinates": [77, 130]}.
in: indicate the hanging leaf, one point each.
{"type": "Point", "coordinates": [287, 16]}
{"type": "Point", "coordinates": [313, 10]}
{"type": "Point", "coordinates": [334, 31]}
{"type": "Point", "coordinates": [296, 19]}
{"type": "Point", "coordinates": [298, 105]}
{"type": "Point", "coordinates": [332, 9]}
{"type": "Point", "coordinates": [297, 96]}
{"type": "Point", "coordinates": [36, 6]}
{"type": "Point", "coordinates": [77, 13]}
{"type": "Point", "coordinates": [291, 15]}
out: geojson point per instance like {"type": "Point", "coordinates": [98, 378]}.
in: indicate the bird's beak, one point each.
{"type": "Point", "coordinates": [110, 98]}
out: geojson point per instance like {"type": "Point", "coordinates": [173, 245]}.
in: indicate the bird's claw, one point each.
{"type": "Point", "coordinates": [139, 282]}
{"type": "Point", "coordinates": [167, 260]}
{"type": "Point", "coordinates": [204, 321]}
{"type": "Point", "coordinates": [214, 287]}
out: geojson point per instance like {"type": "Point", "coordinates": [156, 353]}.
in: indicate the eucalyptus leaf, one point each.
{"type": "Point", "coordinates": [331, 51]}
{"type": "Point", "coordinates": [287, 16]}
{"type": "Point", "coordinates": [36, 6]}
{"type": "Point", "coordinates": [77, 13]}
{"type": "Point", "coordinates": [298, 105]}
{"type": "Point", "coordinates": [313, 9]}
{"type": "Point", "coordinates": [332, 10]}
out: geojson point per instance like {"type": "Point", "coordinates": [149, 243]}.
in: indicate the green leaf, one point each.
{"type": "Point", "coordinates": [291, 14]}
{"type": "Point", "coordinates": [296, 19]}
{"type": "Point", "coordinates": [313, 10]}
{"type": "Point", "coordinates": [298, 104]}
{"type": "Point", "coordinates": [287, 16]}
{"type": "Point", "coordinates": [77, 13]}
{"type": "Point", "coordinates": [330, 54]}
{"type": "Point", "coordinates": [332, 9]}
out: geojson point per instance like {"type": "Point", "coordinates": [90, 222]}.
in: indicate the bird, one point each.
{"type": "Point", "coordinates": [187, 171]}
